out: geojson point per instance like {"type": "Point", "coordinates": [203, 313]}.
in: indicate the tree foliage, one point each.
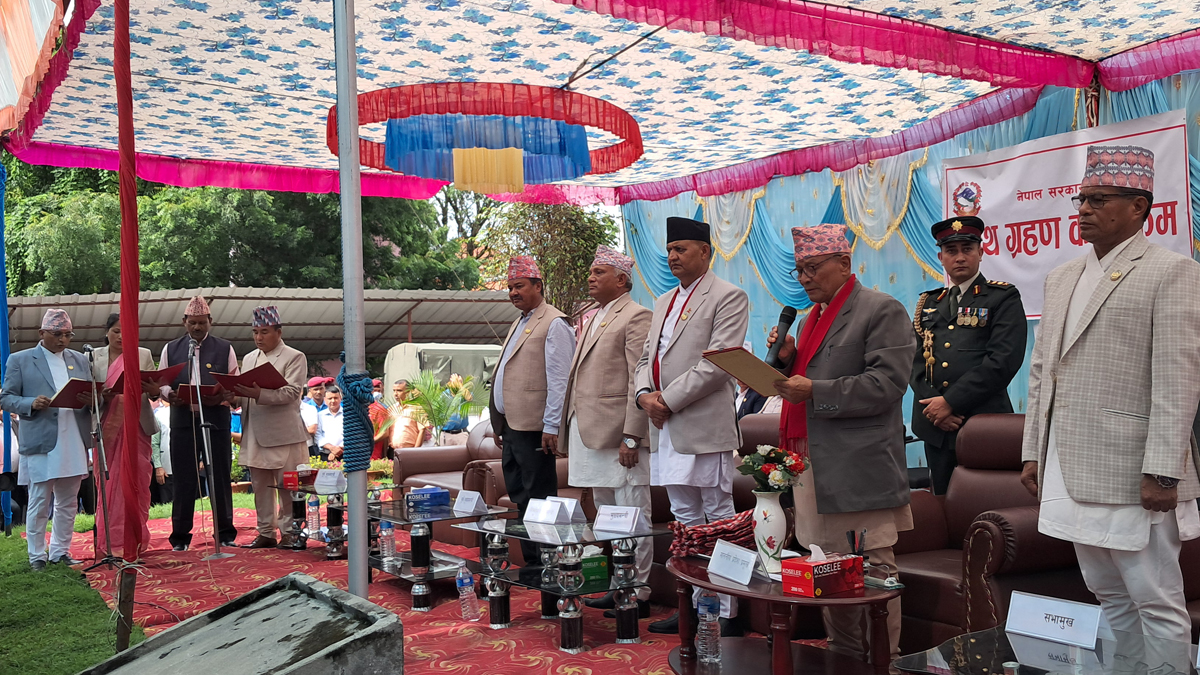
{"type": "Point", "coordinates": [63, 231]}
{"type": "Point", "coordinates": [471, 214]}
{"type": "Point", "coordinates": [563, 240]}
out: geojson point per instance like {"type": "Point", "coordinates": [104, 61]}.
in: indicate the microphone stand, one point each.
{"type": "Point", "coordinates": [205, 427]}
{"type": "Point", "coordinates": [100, 466]}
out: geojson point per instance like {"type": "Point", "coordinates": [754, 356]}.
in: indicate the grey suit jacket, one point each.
{"type": "Point", "coordinates": [27, 376]}
{"type": "Point", "coordinates": [1125, 390]}
{"type": "Point", "coordinates": [600, 391]}
{"type": "Point", "coordinates": [700, 395]}
{"type": "Point", "coordinates": [856, 416]}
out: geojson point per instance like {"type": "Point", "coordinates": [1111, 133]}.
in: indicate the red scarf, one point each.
{"type": "Point", "coordinates": [793, 423]}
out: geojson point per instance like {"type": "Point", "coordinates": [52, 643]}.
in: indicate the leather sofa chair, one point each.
{"type": "Point", "coordinates": [971, 548]}
{"type": "Point", "coordinates": [445, 466]}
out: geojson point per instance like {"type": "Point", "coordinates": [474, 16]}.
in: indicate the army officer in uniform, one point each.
{"type": "Point", "coordinates": [971, 342]}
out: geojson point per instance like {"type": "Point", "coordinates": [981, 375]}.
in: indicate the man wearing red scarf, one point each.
{"type": "Point", "coordinates": [842, 408]}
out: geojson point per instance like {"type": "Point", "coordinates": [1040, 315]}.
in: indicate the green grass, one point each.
{"type": "Point", "coordinates": [53, 623]}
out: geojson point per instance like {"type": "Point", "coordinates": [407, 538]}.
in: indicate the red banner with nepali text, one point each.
{"type": "Point", "coordinates": [1023, 194]}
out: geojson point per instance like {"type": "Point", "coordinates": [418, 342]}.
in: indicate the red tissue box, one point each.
{"type": "Point", "coordinates": [835, 574]}
{"type": "Point", "coordinates": [292, 480]}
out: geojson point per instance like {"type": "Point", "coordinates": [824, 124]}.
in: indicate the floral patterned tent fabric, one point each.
{"type": "Point", "coordinates": [236, 93]}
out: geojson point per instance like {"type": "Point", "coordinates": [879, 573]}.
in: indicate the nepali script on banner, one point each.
{"type": "Point", "coordinates": [1023, 194]}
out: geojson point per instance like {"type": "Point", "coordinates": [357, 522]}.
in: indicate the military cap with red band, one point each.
{"type": "Point", "coordinates": [959, 228]}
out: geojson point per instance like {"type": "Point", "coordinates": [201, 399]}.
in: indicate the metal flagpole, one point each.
{"type": "Point", "coordinates": [349, 183]}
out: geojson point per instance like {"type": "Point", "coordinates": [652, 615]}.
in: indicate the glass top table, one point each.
{"type": "Point", "coordinates": [557, 535]}
{"type": "Point", "coordinates": [560, 577]}
{"type": "Point", "coordinates": [987, 652]}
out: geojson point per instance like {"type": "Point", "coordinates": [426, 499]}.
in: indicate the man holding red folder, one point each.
{"type": "Point", "coordinates": [274, 439]}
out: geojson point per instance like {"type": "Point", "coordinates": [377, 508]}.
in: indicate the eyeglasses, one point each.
{"type": "Point", "coordinates": [810, 270]}
{"type": "Point", "coordinates": [1098, 201]}
{"type": "Point", "coordinates": [60, 334]}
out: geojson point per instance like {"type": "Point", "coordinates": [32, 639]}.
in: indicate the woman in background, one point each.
{"type": "Point", "coordinates": [107, 367]}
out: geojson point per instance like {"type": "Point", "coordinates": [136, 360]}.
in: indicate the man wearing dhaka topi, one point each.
{"type": "Point", "coordinates": [1114, 382]}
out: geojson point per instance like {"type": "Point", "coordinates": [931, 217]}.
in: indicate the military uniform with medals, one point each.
{"type": "Point", "coordinates": [968, 350]}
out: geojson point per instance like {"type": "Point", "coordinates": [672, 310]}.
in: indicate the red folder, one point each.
{"type": "Point", "coordinates": [68, 396]}
{"type": "Point", "coordinates": [265, 376]}
{"type": "Point", "coordinates": [187, 392]}
{"type": "Point", "coordinates": [166, 376]}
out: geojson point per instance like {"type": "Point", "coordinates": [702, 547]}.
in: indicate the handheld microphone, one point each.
{"type": "Point", "coordinates": [786, 317]}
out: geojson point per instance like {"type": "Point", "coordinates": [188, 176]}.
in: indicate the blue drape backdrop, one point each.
{"type": "Point", "coordinates": [905, 263]}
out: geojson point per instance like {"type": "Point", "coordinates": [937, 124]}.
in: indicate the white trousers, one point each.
{"type": "Point", "coordinates": [639, 496]}
{"type": "Point", "coordinates": [65, 492]}
{"type": "Point", "coordinates": [696, 506]}
{"type": "Point", "coordinates": [1141, 591]}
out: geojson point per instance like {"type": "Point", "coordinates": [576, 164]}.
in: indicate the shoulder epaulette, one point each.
{"type": "Point", "coordinates": [999, 284]}
{"type": "Point", "coordinates": [939, 289]}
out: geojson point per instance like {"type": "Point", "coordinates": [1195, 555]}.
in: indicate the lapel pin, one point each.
{"type": "Point", "coordinates": [1114, 276]}
{"type": "Point", "coordinates": [70, 367]}
{"type": "Point", "coordinates": [528, 331]}
{"type": "Point", "coordinates": [603, 324]}
{"type": "Point", "coordinates": [208, 365]}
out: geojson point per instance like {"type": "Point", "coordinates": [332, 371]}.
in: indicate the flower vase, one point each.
{"type": "Point", "coordinates": [770, 529]}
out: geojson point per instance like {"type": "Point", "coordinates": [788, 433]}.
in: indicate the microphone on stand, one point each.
{"type": "Point", "coordinates": [87, 349]}
{"type": "Point", "coordinates": [786, 317]}
{"type": "Point", "coordinates": [192, 345]}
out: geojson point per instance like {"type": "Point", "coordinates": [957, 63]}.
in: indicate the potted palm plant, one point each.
{"type": "Point", "coordinates": [437, 402]}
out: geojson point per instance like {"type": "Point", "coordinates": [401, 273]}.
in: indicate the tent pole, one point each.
{"type": "Point", "coordinates": [349, 183]}
{"type": "Point", "coordinates": [130, 284]}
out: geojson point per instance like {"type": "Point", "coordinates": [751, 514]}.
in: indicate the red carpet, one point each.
{"type": "Point", "coordinates": [174, 586]}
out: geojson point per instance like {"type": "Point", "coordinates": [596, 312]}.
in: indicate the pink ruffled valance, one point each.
{"type": "Point", "coordinates": [855, 36]}
{"type": "Point", "coordinates": [1151, 62]}
{"type": "Point", "coordinates": [996, 107]}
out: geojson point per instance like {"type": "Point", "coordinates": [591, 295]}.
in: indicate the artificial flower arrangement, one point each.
{"type": "Point", "coordinates": [773, 469]}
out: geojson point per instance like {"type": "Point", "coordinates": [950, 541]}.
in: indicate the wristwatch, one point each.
{"type": "Point", "coordinates": [629, 443]}
{"type": "Point", "coordinates": [1166, 481]}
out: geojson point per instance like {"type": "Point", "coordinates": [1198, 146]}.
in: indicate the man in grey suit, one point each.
{"type": "Point", "coordinates": [54, 441]}
{"type": "Point", "coordinates": [690, 401]}
{"type": "Point", "coordinates": [843, 409]}
{"type": "Point", "coordinates": [1114, 383]}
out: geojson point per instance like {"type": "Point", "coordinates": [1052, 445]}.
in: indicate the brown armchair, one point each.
{"type": "Point", "coordinates": [971, 548]}
{"type": "Point", "coordinates": [444, 465]}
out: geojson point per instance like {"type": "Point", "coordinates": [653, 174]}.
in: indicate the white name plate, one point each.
{"type": "Point", "coordinates": [622, 519]}
{"type": "Point", "coordinates": [329, 481]}
{"type": "Point", "coordinates": [543, 533]}
{"type": "Point", "coordinates": [469, 502]}
{"type": "Point", "coordinates": [545, 511]}
{"type": "Point", "coordinates": [732, 562]}
{"type": "Point", "coordinates": [1063, 621]}
{"type": "Point", "coordinates": [571, 507]}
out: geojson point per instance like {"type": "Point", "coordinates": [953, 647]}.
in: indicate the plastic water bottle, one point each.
{"type": "Point", "coordinates": [387, 542]}
{"type": "Point", "coordinates": [313, 516]}
{"type": "Point", "coordinates": [708, 633]}
{"type": "Point", "coordinates": [466, 593]}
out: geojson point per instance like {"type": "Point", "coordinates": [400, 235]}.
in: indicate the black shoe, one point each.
{"type": "Point", "coordinates": [666, 626]}
{"type": "Point", "coordinates": [229, 544]}
{"type": "Point", "coordinates": [179, 547]}
{"type": "Point", "coordinates": [607, 602]}
{"type": "Point", "coordinates": [68, 560]}
{"type": "Point", "coordinates": [643, 613]}
{"type": "Point", "coordinates": [38, 565]}
{"type": "Point", "coordinates": [730, 628]}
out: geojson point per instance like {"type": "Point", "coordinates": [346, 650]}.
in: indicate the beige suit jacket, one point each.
{"type": "Point", "coordinates": [1125, 390]}
{"type": "Point", "coordinates": [700, 395]}
{"type": "Point", "coordinates": [273, 435]}
{"type": "Point", "coordinates": [600, 390]}
{"type": "Point", "coordinates": [145, 362]}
